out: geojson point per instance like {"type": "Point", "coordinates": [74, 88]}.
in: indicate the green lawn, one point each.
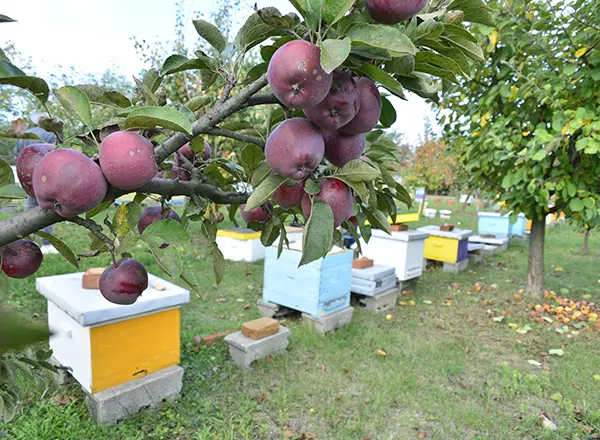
{"type": "Point", "coordinates": [451, 371]}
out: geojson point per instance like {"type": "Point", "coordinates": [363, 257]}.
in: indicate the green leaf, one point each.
{"type": "Point", "coordinates": [312, 187]}
{"type": "Point", "coordinates": [152, 80]}
{"type": "Point", "coordinates": [388, 113]}
{"type": "Point", "coordinates": [283, 239]}
{"type": "Point", "coordinates": [269, 233]}
{"type": "Point", "coordinates": [60, 246]}
{"type": "Point", "coordinates": [167, 231]}
{"type": "Point", "coordinates": [383, 37]}
{"type": "Point", "coordinates": [12, 192]}
{"type": "Point", "coordinates": [255, 31]}
{"type": "Point", "coordinates": [401, 66]}
{"type": "Point", "coordinates": [358, 170]}
{"type": "Point", "coordinates": [251, 156]}
{"type": "Point", "coordinates": [104, 95]}
{"type": "Point", "coordinates": [378, 219]}
{"type": "Point", "coordinates": [428, 28]}
{"type": "Point", "coordinates": [75, 102]}
{"type": "Point", "coordinates": [5, 19]}
{"type": "Point", "coordinates": [420, 84]}
{"type": "Point", "coordinates": [438, 60]}
{"type": "Point", "coordinates": [334, 10]}
{"type": "Point", "coordinates": [334, 53]}
{"type": "Point", "coordinates": [470, 49]}
{"type": "Point", "coordinates": [166, 117]}
{"type": "Point", "coordinates": [98, 209]}
{"type": "Point", "coordinates": [147, 94]}
{"type": "Point", "coordinates": [211, 34]}
{"type": "Point", "coordinates": [383, 78]}
{"type": "Point", "coordinates": [576, 205]}
{"type": "Point", "coordinates": [301, 6]}
{"type": "Point", "coordinates": [218, 262]}
{"type": "Point", "coordinates": [359, 187]}
{"type": "Point", "coordinates": [179, 63]}
{"type": "Point", "coordinates": [3, 287]}
{"type": "Point", "coordinates": [318, 234]}
{"type": "Point", "coordinates": [197, 102]}
{"type": "Point", "coordinates": [262, 171]}
{"type": "Point", "coordinates": [13, 76]}
{"type": "Point", "coordinates": [273, 17]}
{"type": "Point", "coordinates": [476, 11]}
{"type": "Point", "coordinates": [265, 190]}
{"type": "Point", "coordinates": [314, 13]}
{"type": "Point", "coordinates": [126, 217]}
{"type": "Point", "coordinates": [168, 259]}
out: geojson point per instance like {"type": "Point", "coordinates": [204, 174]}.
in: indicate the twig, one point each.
{"type": "Point", "coordinates": [237, 136]}
{"type": "Point", "coordinates": [95, 229]}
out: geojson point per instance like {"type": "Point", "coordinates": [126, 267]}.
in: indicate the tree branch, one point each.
{"type": "Point", "coordinates": [94, 228]}
{"type": "Point", "coordinates": [33, 220]}
{"type": "Point", "coordinates": [263, 99]}
{"type": "Point", "coordinates": [237, 136]}
{"type": "Point", "coordinates": [210, 119]}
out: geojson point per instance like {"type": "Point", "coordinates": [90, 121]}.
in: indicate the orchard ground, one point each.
{"type": "Point", "coordinates": [451, 371]}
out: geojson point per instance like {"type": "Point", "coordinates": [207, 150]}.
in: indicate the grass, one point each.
{"type": "Point", "coordinates": [451, 371]}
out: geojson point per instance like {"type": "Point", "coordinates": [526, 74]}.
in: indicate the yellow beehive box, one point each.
{"type": "Point", "coordinates": [104, 344]}
{"type": "Point", "coordinates": [238, 244]}
{"type": "Point", "coordinates": [446, 246]}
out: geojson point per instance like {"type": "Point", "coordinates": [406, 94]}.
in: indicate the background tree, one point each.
{"type": "Point", "coordinates": [527, 126]}
{"type": "Point", "coordinates": [432, 166]}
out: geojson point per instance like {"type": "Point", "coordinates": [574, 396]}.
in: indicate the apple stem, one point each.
{"type": "Point", "coordinates": [112, 254]}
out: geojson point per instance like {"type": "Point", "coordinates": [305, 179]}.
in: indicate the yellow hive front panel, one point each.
{"type": "Point", "coordinates": [528, 225]}
{"type": "Point", "coordinates": [441, 249]}
{"type": "Point", "coordinates": [131, 349]}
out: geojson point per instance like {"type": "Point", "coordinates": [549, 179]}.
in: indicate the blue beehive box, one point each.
{"type": "Point", "coordinates": [493, 223]}
{"type": "Point", "coordinates": [518, 228]}
{"type": "Point", "coordinates": [319, 288]}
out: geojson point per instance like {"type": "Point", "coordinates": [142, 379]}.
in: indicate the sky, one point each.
{"type": "Point", "coordinates": [92, 35]}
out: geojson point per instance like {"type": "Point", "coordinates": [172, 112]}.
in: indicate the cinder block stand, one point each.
{"type": "Point", "coordinates": [244, 350]}
{"type": "Point", "coordinates": [456, 267]}
{"type": "Point", "coordinates": [329, 323]}
{"type": "Point", "coordinates": [380, 303]}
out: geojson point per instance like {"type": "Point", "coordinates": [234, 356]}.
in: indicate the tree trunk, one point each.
{"type": "Point", "coordinates": [586, 240]}
{"type": "Point", "coordinates": [535, 276]}
{"type": "Point", "coordinates": [464, 206]}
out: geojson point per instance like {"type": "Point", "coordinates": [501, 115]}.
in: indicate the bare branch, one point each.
{"type": "Point", "coordinates": [237, 136]}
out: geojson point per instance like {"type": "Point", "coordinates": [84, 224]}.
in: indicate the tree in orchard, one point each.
{"type": "Point", "coordinates": [335, 48]}
{"type": "Point", "coordinates": [527, 126]}
{"type": "Point", "coordinates": [432, 166]}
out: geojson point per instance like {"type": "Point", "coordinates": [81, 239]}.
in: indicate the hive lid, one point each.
{"type": "Point", "coordinates": [373, 273]}
{"type": "Point", "coordinates": [489, 214]}
{"type": "Point", "coordinates": [89, 308]}
{"type": "Point", "coordinates": [457, 234]}
{"type": "Point", "coordinates": [498, 241]}
{"type": "Point", "coordinates": [239, 233]}
{"type": "Point", "coordinates": [400, 235]}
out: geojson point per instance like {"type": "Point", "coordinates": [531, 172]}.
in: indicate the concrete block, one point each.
{"type": "Point", "coordinates": [244, 350]}
{"type": "Point", "coordinates": [62, 376]}
{"type": "Point", "coordinates": [110, 406]}
{"type": "Point", "coordinates": [272, 310]}
{"type": "Point", "coordinates": [456, 267]}
{"type": "Point", "coordinates": [329, 323]}
{"type": "Point", "coordinates": [491, 249]}
{"type": "Point", "coordinates": [383, 302]}
{"type": "Point", "coordinates": [475, 258]}
{"type": "Point", "coordinates": [260, 328]}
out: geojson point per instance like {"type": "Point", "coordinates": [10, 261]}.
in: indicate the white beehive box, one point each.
{"type": "Point", "coordinates": [104, 344]}
{"type": "Point", "coordinates": [240, 244]}
{"type": "Point", "coordinates": [402, 250]}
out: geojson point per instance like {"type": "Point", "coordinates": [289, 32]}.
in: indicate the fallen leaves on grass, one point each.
{"type": "Point", "coordinates": [63, 400]}
{"type": "Point", "coordinates": [534, 363]}
{"type": "Point", "coordinates": [422, 434]}
{"type": "Point", "coordinates": [381, 352]}
{"type": "Point", "coordinates": [448, 303]}
{"type": "Point", "coordinates": [388, 317]}
{"type": "Point", "coordinates": [556, 352]}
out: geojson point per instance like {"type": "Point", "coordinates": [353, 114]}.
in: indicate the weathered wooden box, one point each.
{"type": "Point", "coordinates": [240, 244]}
{"type": "Point", "coordinates": [104, 344]}
{"type": "Point", "coordinates": [402, 250]}
{"type": "Point", "coordinates": [448, 247]}
{"type": "Point", "coordinates": [373, 280]}
{"type": "Point", "coordinates": [319, 288]}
